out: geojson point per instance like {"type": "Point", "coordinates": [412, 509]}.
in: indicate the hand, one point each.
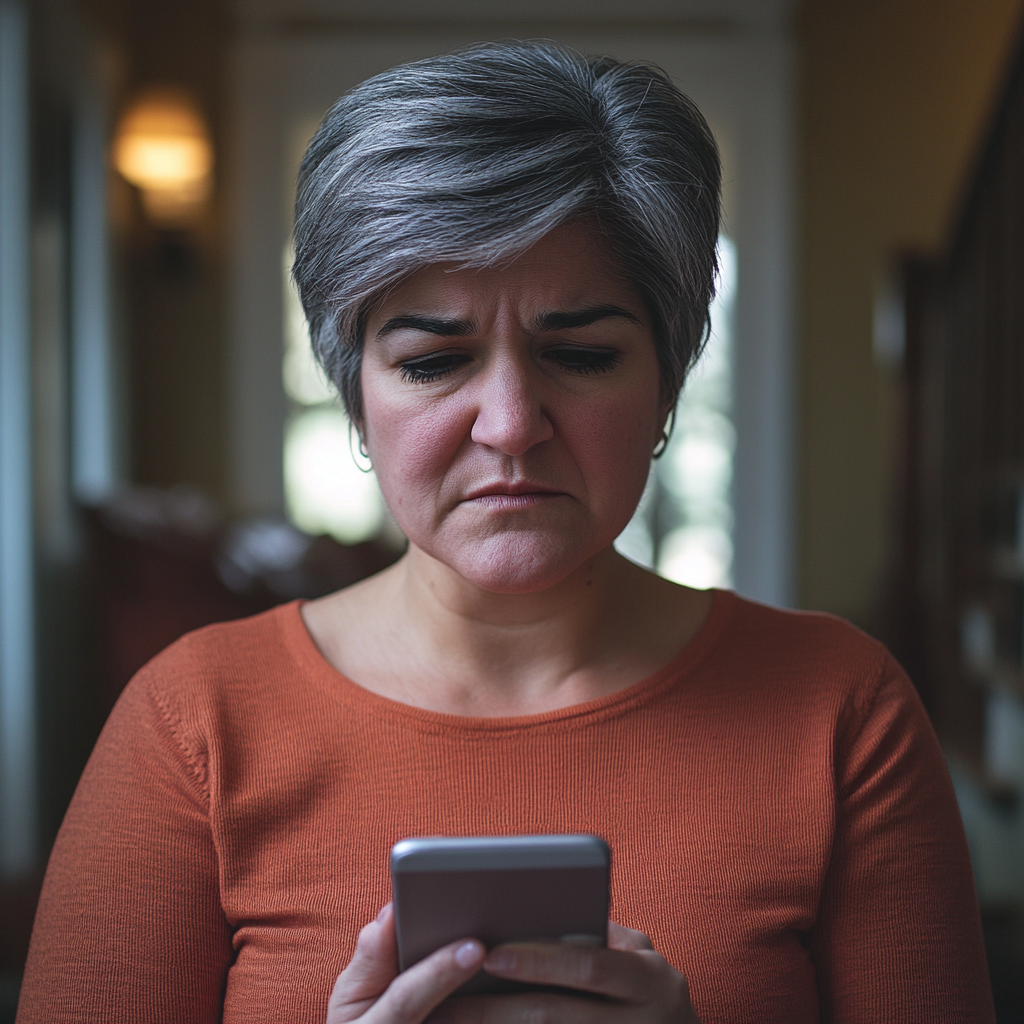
{"type": "Point", "coordinates": [370, 990]}
{"type": "Point", "coordinates": [638, 984]}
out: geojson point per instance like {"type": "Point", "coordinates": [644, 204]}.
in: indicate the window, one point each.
{"type": "Point", "coordinates": [683, 527]}
{"type": "Point", "coordinates": [325, 490]}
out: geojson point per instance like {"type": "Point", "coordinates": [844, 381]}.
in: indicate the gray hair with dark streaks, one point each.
{"type": "Point", "coordinates": [472, 157]}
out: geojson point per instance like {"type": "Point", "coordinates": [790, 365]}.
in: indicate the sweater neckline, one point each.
{"type": "Point", "coordinates": [316, 667]}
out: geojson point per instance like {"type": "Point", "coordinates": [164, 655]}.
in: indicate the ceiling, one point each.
{"type": "Point", "coordinates": [720, 15]}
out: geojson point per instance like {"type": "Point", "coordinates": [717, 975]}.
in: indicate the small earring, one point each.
{"type": "Point", "coordinates": [368, 468]}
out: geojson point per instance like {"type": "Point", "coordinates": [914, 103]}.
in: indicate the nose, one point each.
{"type": "Point", "coordinates": [510, 417]}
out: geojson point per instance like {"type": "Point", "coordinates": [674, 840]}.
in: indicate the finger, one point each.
{"type": "Point", "coordinates": [373, 966]}
{"type": "Point", "coordinates": [629, 976]}
{"type": "Point", "coordinates": [621, 937]}
{"type": "Point", "coordinates": [530, 1006]}
{"type": "Point", "coordinates": [424, 986]}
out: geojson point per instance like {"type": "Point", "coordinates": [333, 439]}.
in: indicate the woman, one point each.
{"type": "Point", "coordinates": [506, 257]}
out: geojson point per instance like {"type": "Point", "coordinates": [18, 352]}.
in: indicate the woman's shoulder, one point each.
{"type": "Point", "coordinates": [769, 626]}
{"type": "Point", "coordinates": [250, 660]}
{"type": "Point", "coordinates": [225, 687]}
{"type": "Point", "coordinates": [228, 649]}
{"type": "Point", "coordinates": [816, 653]}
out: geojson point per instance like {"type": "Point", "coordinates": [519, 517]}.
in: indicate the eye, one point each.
{"type": "Point", "coordinates": [577, 359]}
{"type": "Point", "coordinates": [432, 367]}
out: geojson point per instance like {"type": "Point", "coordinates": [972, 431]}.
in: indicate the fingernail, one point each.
{"type": "Point", "coordinates": [468, 954]}
{"type": "Point", "coordinates": [383, 911]}
{"type": "Point", "coordinates": [501, 960]}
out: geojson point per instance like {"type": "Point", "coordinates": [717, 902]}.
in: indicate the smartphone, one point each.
{"type": "Point", "coordinates": [498, 889]}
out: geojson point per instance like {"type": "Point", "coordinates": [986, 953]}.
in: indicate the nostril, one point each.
{"type": "Point", "coordinates": [511, 430]}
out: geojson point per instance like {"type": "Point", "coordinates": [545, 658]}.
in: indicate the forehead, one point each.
{"type": "Point", "coordinates": [569, 268]}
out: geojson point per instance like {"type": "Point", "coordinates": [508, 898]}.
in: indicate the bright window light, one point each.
{"type": "Point", "coordinates": [325, 491]}
{"type": "Point", "coordinates": [304, 381]}
{"type": "Point", "coordinates": [699, 556]}
{"type": "Point", "coordinates": [683, 526]}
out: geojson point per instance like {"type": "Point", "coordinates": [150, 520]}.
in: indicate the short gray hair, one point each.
{"type": "Point", "coordinates": [472, 157]}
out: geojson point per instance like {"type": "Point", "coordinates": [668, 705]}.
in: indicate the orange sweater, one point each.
{"type": "Point", "coordinates": [781, 821]}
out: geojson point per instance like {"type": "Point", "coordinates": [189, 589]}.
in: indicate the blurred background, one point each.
{"type": "Point", "coordinates": [853, 440]}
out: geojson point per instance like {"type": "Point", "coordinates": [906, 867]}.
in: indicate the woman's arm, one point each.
{"type": "Point", "coordinates": [129, 926]}
{"type": "Point", "coordinates": [898, 936]}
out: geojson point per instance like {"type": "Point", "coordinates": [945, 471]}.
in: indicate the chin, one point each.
{"type": "Point", "coordinates": [518, 563]}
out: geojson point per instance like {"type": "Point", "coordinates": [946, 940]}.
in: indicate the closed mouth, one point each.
{"type": "Point", "coordinates": [518, 495]}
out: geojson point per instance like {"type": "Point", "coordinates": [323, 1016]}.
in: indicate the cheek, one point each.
{"type": "Point", "coordinates": [611, 442]}
{"type": "Point", "coordinates": [410, 445]}
{"type": "Point", "coordinates": [601, 449]}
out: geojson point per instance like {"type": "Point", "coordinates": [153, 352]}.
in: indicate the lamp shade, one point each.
{"type": "Point", "coordinates": [162, 146]}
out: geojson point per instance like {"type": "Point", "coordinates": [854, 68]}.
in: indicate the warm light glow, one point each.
{"type": "Point", "coordinates": [154, 161]}
{"type": "Point", "coordinates": [163, 147]}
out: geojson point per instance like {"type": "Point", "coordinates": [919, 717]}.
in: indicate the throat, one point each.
{"type": "Point", "coordinates": [408, 637]}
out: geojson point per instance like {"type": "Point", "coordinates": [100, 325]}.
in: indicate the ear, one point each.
{"type": "Point", "coordinates": [665, 413]}
{"type": "Point", "coordinates": [358, 428]}
{"type": "Point", "coordinates": [664, 429]}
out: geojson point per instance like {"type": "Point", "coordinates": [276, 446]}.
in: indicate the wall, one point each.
{"type": "Point", "coordinates": [894, 100]}
{"type": "Point", "coordinates": [170, 284]}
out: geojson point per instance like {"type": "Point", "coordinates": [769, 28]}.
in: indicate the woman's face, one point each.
{"type": "Point", "coordinates": [510, 413]}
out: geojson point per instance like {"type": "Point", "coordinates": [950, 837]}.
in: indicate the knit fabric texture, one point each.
{"type": "Point", "coordinates": [781, 821]}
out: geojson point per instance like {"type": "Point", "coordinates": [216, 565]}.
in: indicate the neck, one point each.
{"type": "Point", "coordinates": [421, 634]}
{"type": "Point", "coordinates": [430, 588]}
{"type": "Point", "coordinates": [500, 652]}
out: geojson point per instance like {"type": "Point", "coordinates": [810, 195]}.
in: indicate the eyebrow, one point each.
{"type": "Point", "coordinates": [556, 320]}
{"type": "Point", "coordinates": [561, 321]}
{"type": "Point", "coordinates": [428, 325]}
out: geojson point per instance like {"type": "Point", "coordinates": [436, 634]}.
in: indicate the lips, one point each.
{"type": "Point", "coordinates": [501, 489]}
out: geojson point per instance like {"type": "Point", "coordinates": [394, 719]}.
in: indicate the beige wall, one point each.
{"type": "Point", "coordinates": [170, 289]}
{"type": "Point", "coordinates": [894, 100]}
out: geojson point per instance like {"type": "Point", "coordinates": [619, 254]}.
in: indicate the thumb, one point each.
{"type": "Point", "coordinates": [620, 937]}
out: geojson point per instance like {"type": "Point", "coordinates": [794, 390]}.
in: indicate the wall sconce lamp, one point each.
{"type": "Point", "coordinates": [162, 146]}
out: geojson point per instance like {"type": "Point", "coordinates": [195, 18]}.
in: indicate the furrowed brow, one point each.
{"type": "Point", "coordinates": [561, 320]}
{"type": "Point", "coordinates": [428, 325]}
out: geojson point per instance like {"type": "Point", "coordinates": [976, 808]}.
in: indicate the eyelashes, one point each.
{"type": "Point", "coordinates": [433, 367]}
{"type": "Point", "coordinates": [572, 359]}
{"type": "Point", "coordinates": [584, 360]}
